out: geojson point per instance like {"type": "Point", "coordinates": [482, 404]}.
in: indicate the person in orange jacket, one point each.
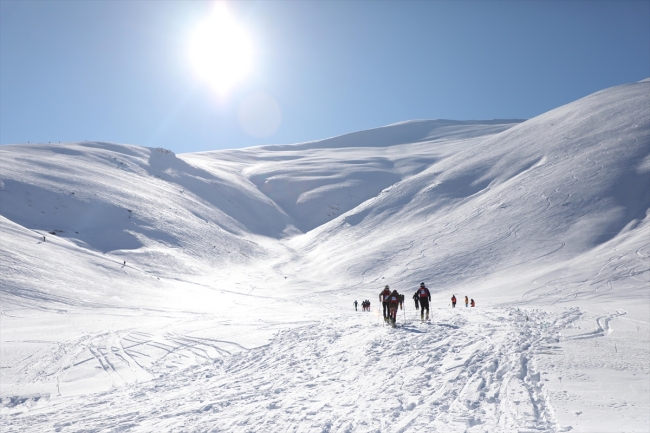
{"type": "Point", "coordinates": [472, 304]}
{"type": "Point", "coordinates": [466, 301]}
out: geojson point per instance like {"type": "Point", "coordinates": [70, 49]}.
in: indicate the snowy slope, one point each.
{"type": "Point", "coordinates": [213, 291]}
{"type": "Point", "coordinates": [548, 190]}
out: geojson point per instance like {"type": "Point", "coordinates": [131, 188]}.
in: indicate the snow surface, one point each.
{"type": "Point", "coordinates": [147, 291]}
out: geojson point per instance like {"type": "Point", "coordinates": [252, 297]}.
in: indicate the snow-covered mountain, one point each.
{"type": "Point", "coordinates": [147, 291]}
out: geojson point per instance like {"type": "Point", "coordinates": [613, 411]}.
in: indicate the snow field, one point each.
{"type": "Point", "coordinates": [465, 370]}
{"type": "Point", "coordinates": [603, 368]}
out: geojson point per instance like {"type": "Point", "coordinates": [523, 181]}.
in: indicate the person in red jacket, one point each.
{"type": "Point", "coordinates": [394, 300]}
{"type": "Point", "coordinates": [472, 304]}
{"type": "Point", "coordinates": [383, 299]}
{"type": "Point", "coordinates": [453, 301]}
{"type": "Point", "coordinates": [425, 297]}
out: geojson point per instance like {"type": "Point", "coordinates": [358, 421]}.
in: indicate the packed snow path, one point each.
{"type": "Point", "coordinates": [465, 370]}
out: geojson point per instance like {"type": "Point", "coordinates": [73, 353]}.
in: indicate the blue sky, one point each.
{"type": "Point", "coordinates": [119, 70]}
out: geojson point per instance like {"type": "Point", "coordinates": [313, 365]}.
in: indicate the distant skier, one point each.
{"type": "Point", "coordinates": [472, 304]}
{"type": "Point", "coordinates": [367, 305]}
{"type": "Point", "coordinates": [416, 299]}
{"type": "Point", "coordinates": [394, 300]}
{"type": "Point", "coordinates": [355, 305]}
{"type": "Point", "coordinates": [453, 301]}
{"type": "Point", "coordinates": [466, 301]}
{"type": "Point", "coordinates": [425, 298]}
{"type": "Point", "coordinates": [383, 298]}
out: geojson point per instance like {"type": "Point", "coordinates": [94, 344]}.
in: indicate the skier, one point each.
{"type": "Point", "coordinates": [355, 305]}
{"type": "Point", "coordinates": [466, 301]}
{"type": "Point", "coordinates": [367, 305]}
{"type": "Point", "coordinates": [453, 301]}
{"type": "Point", "coordinates": [383, 298]}
{"type": "Point", "coordinates": [472, 304]}
{"type": "Point", "coordinates": [425, 297]}
{"type": "Point", "coordinates": [394, 300]}
{"type": "Point", "coordinates": [416, 299]}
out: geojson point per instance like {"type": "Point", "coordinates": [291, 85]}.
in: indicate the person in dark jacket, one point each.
{"type": "Point", "coordinates": [425, 298]}
{"type": "Point", "coordinates": [416, 299]}
{"type": "Point", "coordinates": [394, 301]}
{"type": "Point", "coordinates": [383, 299]}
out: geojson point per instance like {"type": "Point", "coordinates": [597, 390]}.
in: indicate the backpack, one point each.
{"type": "Point", "coordinates": [423, 292]}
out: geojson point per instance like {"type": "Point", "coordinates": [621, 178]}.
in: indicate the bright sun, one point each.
{"type": "Point", "coordinates": [221, 50]}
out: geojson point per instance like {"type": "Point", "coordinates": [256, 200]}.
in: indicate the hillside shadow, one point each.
{"type": "Point", "coordinates": [96, 225]}
{"type": "Point", "coordinates": [256, 215]}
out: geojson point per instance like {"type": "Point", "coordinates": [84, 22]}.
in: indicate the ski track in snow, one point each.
{"type": "Point", "coordinates": [465, 370]}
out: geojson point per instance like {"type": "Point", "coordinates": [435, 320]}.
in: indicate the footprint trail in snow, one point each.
{"type": "Point", "coordinates": [465, 371]}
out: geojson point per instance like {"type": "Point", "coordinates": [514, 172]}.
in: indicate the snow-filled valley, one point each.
{"type": "Point", "coordinates": [146, 291]}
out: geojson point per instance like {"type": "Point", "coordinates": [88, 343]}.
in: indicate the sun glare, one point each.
{"type": "Point", "coordinates": [221, 50]}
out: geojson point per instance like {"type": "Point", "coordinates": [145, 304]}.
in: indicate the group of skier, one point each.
{"type": "Point", "coordinates": [391, 300]}
{"type": "Point", "coordinates": [365, 305]}
{"type": "Point", "coordinates": [468, 302]}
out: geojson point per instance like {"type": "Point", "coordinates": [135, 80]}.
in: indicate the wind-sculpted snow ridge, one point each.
{"type": "Point", "coordinates": [101, 184]}
{"type": "Point", "coordinates": [316, 182]}
{"type": "Point", "coordinates": [413, 131]}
